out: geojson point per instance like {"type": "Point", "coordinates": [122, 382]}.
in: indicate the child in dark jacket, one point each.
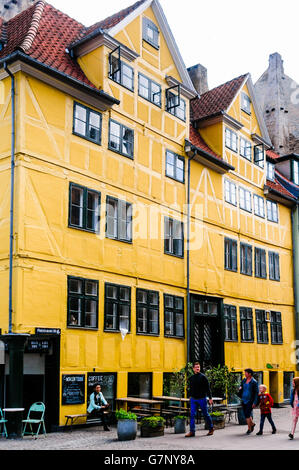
{"type": "Point", "coordinates": [265, 404]}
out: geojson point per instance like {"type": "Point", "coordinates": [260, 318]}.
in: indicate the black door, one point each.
{"type": "Point", "coordinates": [207, 344]}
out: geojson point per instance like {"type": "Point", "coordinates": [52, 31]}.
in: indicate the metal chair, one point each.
{"type": "Point", "coordinates": [35, 409]}
{"type": "Point", "coordinates": [2, 423]}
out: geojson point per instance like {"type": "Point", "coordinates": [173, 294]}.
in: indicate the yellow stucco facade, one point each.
{"type": "Point", "coordinates": [49, 157]}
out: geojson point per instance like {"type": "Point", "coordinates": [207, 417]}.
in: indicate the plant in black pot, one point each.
{"type": "Point", "coordinates": [126, 425]}
{"type": "Point", "coordinates": [218, 419]}
{"type": "Point", "coordinates": [178, 384]}
{"type": "Point", "coordinates": [152, 426]}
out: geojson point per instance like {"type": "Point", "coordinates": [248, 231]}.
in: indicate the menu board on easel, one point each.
{"type": "Point", "coordinates": [73, 389]}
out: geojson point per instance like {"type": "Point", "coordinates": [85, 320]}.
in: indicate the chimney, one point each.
{"type": "Point", "coordinates": [199, 76]}
{"type": "Point", "coordinates": [11, 8]}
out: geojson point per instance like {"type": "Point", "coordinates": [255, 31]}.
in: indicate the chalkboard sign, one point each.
{"type": "Point", "coordinates": [73, 389]}
{"type": "Point", "coordinates": [38, 346]}
{"type": "Point", "coordinates": [108, 386]}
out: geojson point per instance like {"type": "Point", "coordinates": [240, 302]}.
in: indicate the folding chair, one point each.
{"type": "Point", "coordinates": [2, 422]}
{"type": "Point", "coordinates": [35, 409]}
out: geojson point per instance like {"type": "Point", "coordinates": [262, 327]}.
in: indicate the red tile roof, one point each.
{"type": "Point", "coordinates": [271, 154]}
{"type": "Point", "coordinates": [216, 100]}
{"type": "Point", "coordinates": [114, 19]}
{"type": "Point", "coordinates": [196, 140]}
{"type": "Point", "coordinates": [278, 187]}
{"type": "Point", "coordinates": [44, 33]}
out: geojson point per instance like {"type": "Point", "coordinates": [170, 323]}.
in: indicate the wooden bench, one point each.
{"type": "Point", "coordinates": [73, 418]}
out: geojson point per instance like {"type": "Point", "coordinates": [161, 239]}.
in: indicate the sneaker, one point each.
{"type": "Point", "coordinates": [274, 431]}
{"type": "Point", "coordinates": [291, 436]}
{"type": "Point", "coordinates": [190, 434]}
{"type": "Point", "coordinates": [259, 433]}
{"type": "Point", "coordinates": [211, 432]}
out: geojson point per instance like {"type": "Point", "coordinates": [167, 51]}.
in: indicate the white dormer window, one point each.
{"type": "Point", "coordinates": [245, 103]}
{"type": "Point", "coordinates": [270, 171]}
{"type": "Point", "coordinates": [231, 139]}
{"type": "Point", "coordinates": [295, 171]}
{"type": "Point", "coordinates": [245, 148]}
{"type": "Point", "coordinates": [150, 33]}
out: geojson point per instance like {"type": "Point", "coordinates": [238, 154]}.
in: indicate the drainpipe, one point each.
{"type": "Point", "coordinates": [12, 184]}
{"type": "Point", "coordinates": [188, 151]}
{"type": "Point", "coordinates": [295, 236]}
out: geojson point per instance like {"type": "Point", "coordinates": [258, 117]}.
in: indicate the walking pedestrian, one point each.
{"type": "Point", "coordinates": [248, 392]}
{"type": "Point", "coordinates": [265, 403]}
{"type": "Point", "coordinates": [294, 402]}
{"type": "Point", "coordinates": [199, 391]}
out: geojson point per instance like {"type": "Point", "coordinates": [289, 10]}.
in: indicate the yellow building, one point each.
{"type": "Point", "coordinates": [102, 261]}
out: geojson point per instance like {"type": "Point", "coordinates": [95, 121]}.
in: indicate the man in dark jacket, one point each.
{"type": "Point", "coordinates": [248, 393]}
{"type": "Point", "coordinates": [199, 390]}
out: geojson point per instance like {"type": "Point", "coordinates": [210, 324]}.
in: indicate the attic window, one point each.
{"type": "Point", "coordinates": [245, 103]}
{"type": "Point", "coordinates": [150, 33]}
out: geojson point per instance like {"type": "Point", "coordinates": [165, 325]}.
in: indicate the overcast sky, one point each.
{"type": "Point", "coordinates": [228, 37]}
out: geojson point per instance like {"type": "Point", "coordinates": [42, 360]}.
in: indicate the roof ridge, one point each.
{"type": "Point", "coordinates": [32, 31]}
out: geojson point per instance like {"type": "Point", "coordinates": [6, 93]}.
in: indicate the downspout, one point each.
{"type": "Point", "coordinates": [12, 183]}
{"type": "Point", "coordinates": [295, 237]}
{"type": "Point", "coordinates": [188, 256]}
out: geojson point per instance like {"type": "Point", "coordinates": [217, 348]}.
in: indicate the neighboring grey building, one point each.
{"type": "Point", "coordinates": [278, 96]}
{"type": "Point", "coordinates": [11, 8]}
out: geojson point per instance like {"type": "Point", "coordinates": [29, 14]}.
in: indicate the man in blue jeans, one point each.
{"type": "Point", "coordinates": [199, 390]}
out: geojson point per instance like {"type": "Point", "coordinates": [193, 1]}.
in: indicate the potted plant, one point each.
{"type": "Point", "coordinates": [179, 424]}
{"type": "Point", "coordinates": [218, 419]}
{"type": "Point", "coordinates": [178, 385]}
{"type": "Point", "coordinates": [126, 425]}
{"type": "Point", "coordinates": [152, 426]}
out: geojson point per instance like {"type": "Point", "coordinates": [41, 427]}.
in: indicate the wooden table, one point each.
{"type": "Point", "coordinates": [140, 401]}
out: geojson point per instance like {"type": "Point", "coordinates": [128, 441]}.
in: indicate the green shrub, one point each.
{"type": "Point", "coordinates": [123, 414]}
{"type": "Point", "coordinates": [153, 421]}
{"type": "Point", "coordinates": [179, 417]}
{"type": "Point", "coordinates": [216, 414]}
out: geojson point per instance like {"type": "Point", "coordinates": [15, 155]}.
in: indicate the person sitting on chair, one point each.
{"type": "Point", "coordinates": [97, 406]}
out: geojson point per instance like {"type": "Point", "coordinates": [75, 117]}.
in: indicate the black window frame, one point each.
{"type": "Point", "coordinates": [276, 327]}
{"type": "Point", "coordinates": [147, 23]}
{"type": "Point", "coordinates": [170, 235]}
{"type": "Point", "coordinates": [85, 209]}
{"type": "Point", "coordinates": [175, 311]}
{"type": "Point", "coordinates": [261, 323]}
{"type": "Point", "coordinates": [84, 298]}
{"type": "Point", "coordinates": [230, 254]}
{"type": "Point", "coordinates": [118, 75]}
{"type": "Point", "coordinates": [148, 306]}
{"type": "Point", "coordinates": [173, 102]}
{"type": "Point", "coordinates": [150, 90]}
{"type": "Point", "coordinates": [257, 151]}
{"type": "Point", "coordinates": [118, 203]}
{"type": "Point", "coordinates": [260, 266]}
{"type": "Point", "coordinates": [175, 166]}
{"type": "Point", "coordinates": [122, 127]}
{"type": "Point", "coordinates": [246, 325]}
{"type": "Point", "coordinates": [87, 123]}
{"type": "Point", "coordinates": [274, 266]}
{"type": "Point", "coordinates": [230, 323]}
{"type": "Point", "coordinates": [245, 259]}
{"type": "Point", "coordinates": [118, 302]}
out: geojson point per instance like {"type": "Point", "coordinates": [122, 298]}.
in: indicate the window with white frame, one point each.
{"type": "Point", "coordinates": [245, 148]}
{"type": "Point", "coordinates": [295, 171]}
{"type": "Point", "coordinates": [230, 192]}
{"type": "Point", "coordinates": [121, 139]}
{"type": "Point", "coordinates": [272, 211]}
{"type": "Point", "coordinates": [87, 123]}
{"type": "Point", "coordinates": [118, 219]}
{"type": "Point", "coordinates": [119, 71]}
{"type": "Point", "coordinates": [259, 207]}
{"type": "Point", "coordinates": [175, 166]}
{"type": "Point", "coordinates": [149, 90]}
{"type": "Point", "coordinates": [270, 171]}
{"type": "Point", "coordinates": [245, 103]}
{"type": "Point", "coordinates": [245, 199]}
{"type": "Point", "coordinates": [231, 139]}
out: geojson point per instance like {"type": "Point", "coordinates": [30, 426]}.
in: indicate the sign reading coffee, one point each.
{"type": "Point", "coordinates": [73, 389]}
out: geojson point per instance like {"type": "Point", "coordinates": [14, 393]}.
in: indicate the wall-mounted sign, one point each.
{"type": "Point", "coordinates": [272, 366]}
{"type": "Point", "coordinates": [73, 389]}
{"type": "Point", "coordinates": [47, 331]}
{"type": "Point", "coordinates": [38, 346]}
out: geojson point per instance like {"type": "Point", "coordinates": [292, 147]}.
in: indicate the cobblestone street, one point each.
{"type": "Point", "coordinates": [233, 437]}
